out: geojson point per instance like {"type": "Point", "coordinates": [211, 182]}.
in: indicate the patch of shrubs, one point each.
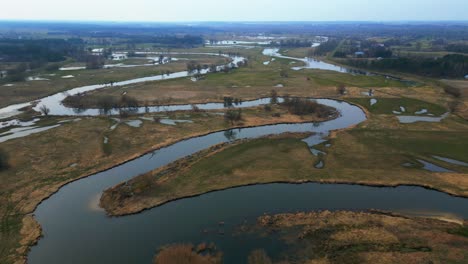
{"type": "Point", "coordinates": [300, 106]}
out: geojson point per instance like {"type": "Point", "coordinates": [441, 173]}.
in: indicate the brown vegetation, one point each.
{"type": "Point", "coordinates": [188, 254]}
{"type": "Point", "coordinates": [365, 237]}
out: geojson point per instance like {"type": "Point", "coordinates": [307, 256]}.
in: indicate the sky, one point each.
{"type": "Point", "coordinates": [234, 10]}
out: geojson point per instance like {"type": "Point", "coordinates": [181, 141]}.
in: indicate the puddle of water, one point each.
{"type": "Point", "coordinates": [319, 165]}
{"type": "Point", "coordinates": [173, 122]}
{"type": "Point", "coordinates": [72, 68]}
{"type": "Point", "coordinates": [432, 167]}
{"type": "Point", "coordinates": [147, 118]}
{"type": "Point", "coordinates": [134, 123]}
{"type": "Point", "coordinates": [317, 152]}
{"type": "Point", "coordinates": [26, 131]}
{"type": "Point", "coordinates": [414, 119]}
{"type": "Point", "coordinates": [16, 122]}
{"type": "Point", "coordinates": [421, 112]}
{"type": "Point", "coordinates": [35, 78]}
{"type": "Point", "coordinates": [452, 161]}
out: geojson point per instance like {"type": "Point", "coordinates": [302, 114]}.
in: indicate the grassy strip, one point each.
{"type": "Point", "coordinates": [387, 105]}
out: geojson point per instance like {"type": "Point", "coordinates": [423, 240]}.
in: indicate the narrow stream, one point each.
{"type": "Point", "coordinates": [54, 102]}
{"type": "Point", "coordinates": [76, 230]}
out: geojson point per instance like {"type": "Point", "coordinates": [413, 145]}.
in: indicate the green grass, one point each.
{"type": "Point", "coordinates": [383, 147]}
{"type": "Point", "coordinates": [387, 105]}
{"type": "Point", "coordinates": [330, 78]}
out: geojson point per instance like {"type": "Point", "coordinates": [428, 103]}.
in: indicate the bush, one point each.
{"type": "Point", "coordinates": [273, 97]}
{"type": "Point", "coordinates": [298, 106]}
{"type": "Point", "coordinates": [455, 92]}
{"type": "Point", "coordinates": [233, 115]}
{"type": "Point", "coordinates": [341, 89]}
{"type": "Point", "coordinates": [128, 101]}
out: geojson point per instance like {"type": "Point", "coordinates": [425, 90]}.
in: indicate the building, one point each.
{"type": "Point", "coordinates": [119, 56]}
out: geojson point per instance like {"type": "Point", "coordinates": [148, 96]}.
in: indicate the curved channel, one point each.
{"type": "Point", "coordinates": [77, 231]}
{"type": "Point", "coordinates": [54, 102]}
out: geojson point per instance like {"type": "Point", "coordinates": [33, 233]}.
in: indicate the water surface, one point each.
{"type": "Point", "coordinates": [77, 231]}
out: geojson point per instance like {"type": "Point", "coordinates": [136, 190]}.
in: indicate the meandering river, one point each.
{"type": "Point", "coordinates": [77, 231]}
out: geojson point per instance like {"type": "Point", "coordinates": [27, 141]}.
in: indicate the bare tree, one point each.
{"type": "Point", "coordinates": [44, 110]}
{"type": "Point", "coordinates": [273, 97]}
{"type": "Point", "coordinates": [341, 89]}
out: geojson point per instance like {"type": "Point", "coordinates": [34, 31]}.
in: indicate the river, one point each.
{"type": "Point", "coordinates": [76, 230]}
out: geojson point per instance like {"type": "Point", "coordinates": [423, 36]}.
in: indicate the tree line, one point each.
{"type": "Point", "coordinates": [453, 65]}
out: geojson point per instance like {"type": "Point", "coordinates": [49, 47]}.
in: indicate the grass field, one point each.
{"type": "Point", "coordinates": [256, 80]}
{"type": "Point", "coordinates": [385, 106]}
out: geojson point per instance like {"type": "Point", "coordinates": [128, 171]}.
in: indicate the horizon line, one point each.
{"type": "Point", "coordinates": [229, 21]}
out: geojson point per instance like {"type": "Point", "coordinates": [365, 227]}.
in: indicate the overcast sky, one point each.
{"type": "Point", "coordinates": [234, 10]}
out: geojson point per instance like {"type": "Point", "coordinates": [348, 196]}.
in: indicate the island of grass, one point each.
{"type": "Point", "coordinates": [340, 237]}
{"type": "Point", "coordinates": [363, 155]}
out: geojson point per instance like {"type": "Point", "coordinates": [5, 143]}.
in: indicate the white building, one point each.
{"type": "Point", "coordinates": [119, 56]}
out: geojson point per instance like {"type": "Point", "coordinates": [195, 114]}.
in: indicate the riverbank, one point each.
{"type": "Point", "coordinates": [366, 237]}
{"type": "Point", "coordinates": [41, 164]}
{"type": "Point", "coordinates": [336, 237]}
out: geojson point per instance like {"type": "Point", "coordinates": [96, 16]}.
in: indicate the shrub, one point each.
{"type": "Point", "coordinates": [44, 110]}
{"type": "Point", "coordinates": [273, 97]}
{"type": "Point", "coordinates": [298, 106]}
{"type": "Point", "coordinates": [341, 89]}
{"type": "Point", "coordinates": [233, 115]}
{"type": "Point", "coordinates": [455, 92]}
{"type": "Point", "coordinates": [128, 101]}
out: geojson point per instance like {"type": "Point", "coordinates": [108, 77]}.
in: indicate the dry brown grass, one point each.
{"type": "Point", "coordinates": [364, 237]}
{"type": "Point", "coordinates": [187, 254]}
